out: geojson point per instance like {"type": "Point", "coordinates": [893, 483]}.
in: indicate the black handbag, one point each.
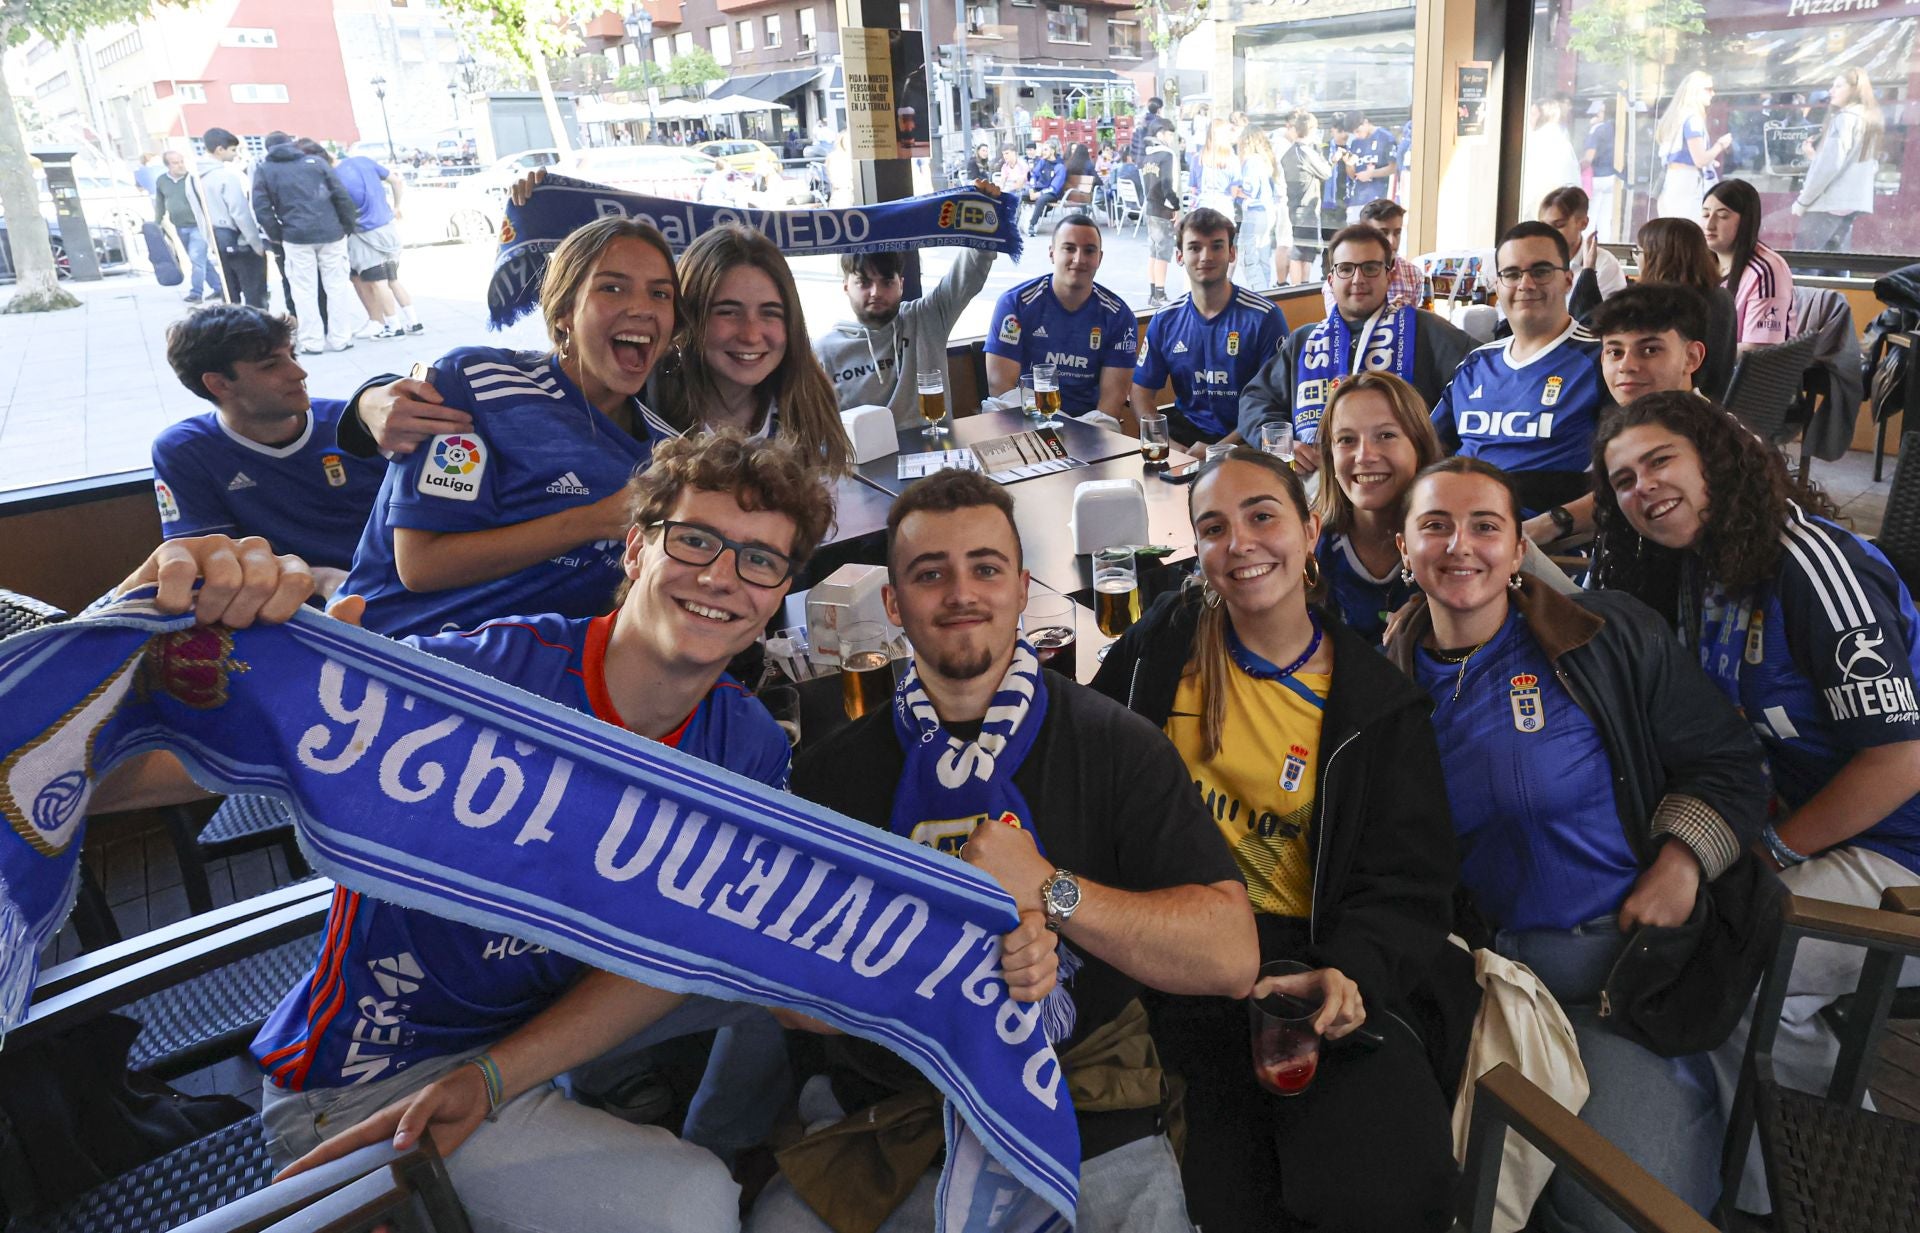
{"type": "Point", "coordinates": [1682, 990]}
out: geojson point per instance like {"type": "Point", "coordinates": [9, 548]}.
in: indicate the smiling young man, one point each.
{"type": "Point", "coordinates": [1066, 319]}
{"type": "Point", "coordinates": [874, 358]}
{"type": "Point", "coordinates": [1210, 342]}
{"type": "Point", "coordinates": [264, 462]}
{"type": "Point", "coordinates": [1364, 333]}
{"type": "Point", "coordinates": [1077, 805]}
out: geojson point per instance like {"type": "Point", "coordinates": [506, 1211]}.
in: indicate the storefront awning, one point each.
{"type": "Point", "coordinates": [1046, 75]}
{"type": "Point", "coordinates": [769, 87]}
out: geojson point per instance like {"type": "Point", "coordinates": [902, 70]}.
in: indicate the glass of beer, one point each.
{"type": "Point", "coordinates": [1155, 443]}
{"type": "Point", "coordinates": [1286, 1049]}
{"type": "Point", "coordinates": [1046, 392]}
{"type": "Point", "coordinates": [866, 668]}
{"type": "Point", "coordinates": [1048, 624]}
{"type": "Point", "coordinates": [933, 401]}
{"type": "Point", "coordinates": [1276, 438]}
{"type": "Point", "coordinates": [1116, 591]}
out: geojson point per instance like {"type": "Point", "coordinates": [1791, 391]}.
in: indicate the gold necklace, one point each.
{"type": "Point", "coordinates": [1457, 657]}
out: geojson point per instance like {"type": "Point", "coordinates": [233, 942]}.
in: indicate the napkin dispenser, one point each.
{"type": "Point", "coordinates": [870, 430]}
{"type": "Point", "coordinates": [849, 594]}
{"type": "Point", "coordinates": [1107, 513]}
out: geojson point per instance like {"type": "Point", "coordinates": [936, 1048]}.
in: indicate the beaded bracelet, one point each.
{"type": "Point", "coordinates": [490, 1075]}
{"type": "Point", "coordinates": [1783, 855]}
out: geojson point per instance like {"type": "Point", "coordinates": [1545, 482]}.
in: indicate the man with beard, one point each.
{"type": "Point", "coordinates": [1211, 342]}
{"type": "Point", "coordinates": [874, 358]}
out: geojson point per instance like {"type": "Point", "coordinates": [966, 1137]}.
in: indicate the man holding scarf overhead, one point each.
{"type": "Point", "coordinates": [1362, 335]}
{"type": "Point", "coordinates": [1077, 803]}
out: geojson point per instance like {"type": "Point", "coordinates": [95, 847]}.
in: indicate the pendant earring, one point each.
{"type": "Point", "coordinates": [1406, 573]}
{"type": "Point", "coordinates": [1311, 574]}
{"type": "Point", "coordinates": [1513, 583]}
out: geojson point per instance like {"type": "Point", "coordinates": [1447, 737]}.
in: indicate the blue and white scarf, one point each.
{"type": "Point", "coordinates": [1386, 345]}
{"type": "Point", "coordinates": [559, 206]}
{"type": "Point", "coordinates": [427, 785]}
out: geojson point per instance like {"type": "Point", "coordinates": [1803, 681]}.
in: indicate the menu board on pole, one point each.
{"type": "Point", "coordinates": [868, 64]}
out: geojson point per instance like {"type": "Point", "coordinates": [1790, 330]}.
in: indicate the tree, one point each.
{"type": "Point", "coordinates": [1639, 38]}
{"type": "Point", "coordinates": [694, 69]}
{"type": "Point", "coordinates": [526, 33]}
{"type": "Point", "coordinates": [1169, 21]}
{"type": "Point", "coordinates": [37, 285]}
{"type": "Point", "coordinates": [635, 78]}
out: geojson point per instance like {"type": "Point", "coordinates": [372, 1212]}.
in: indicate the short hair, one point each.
{"type": "Point", "coordinates": [1155, 104]}
{"type": "Point", "coordinates": [1569, 199]}
{"type": "Point", "coordinates": [278, 137]}
{"type": "Point", "coordinates": [1075, 220]}
{"type": "Point", "coordinates": [873, 265]}
{"type": "Point", "coordinates": [1652, 308]}
{"type": "Point", "coordinates": [761, 473]}
{"type": "Point", "coordinates": [1204, 220]}
{"type": "Point", "coordinates": [943, 492]}
{"type": "Point", "coordinates": [215, 338]}
{"type": "Point", "coordinates": [1534, 229]}
{"type": "Point", "coordinates": [1360, 233]}
{"type": "Point", "coordinates": [1354, 120]}
{"type": "Point", "coordinates": [218, 139]}
{"type": "Point", "coordinates": [1384, 210]}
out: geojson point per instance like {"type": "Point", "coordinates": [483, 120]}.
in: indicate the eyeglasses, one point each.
{"type": "Point", "coordinates": [1347, 269]}
{"type": "Point", "coordinates": [1540, 273]}
{"type": "Point", "coordinates": [692, 544]}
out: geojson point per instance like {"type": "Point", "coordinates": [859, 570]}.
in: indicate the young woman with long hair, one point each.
{"type": "Point", "coordinates": [1809, 630]}
{"type": "Point", "coordinates": [1681, 138]}
{"type": "Point", "coordinates": [1839, 184]}
{"type": "Point", "coordinates": [1318, 762]}
{"type": "Point", "coordinates": [1266, 230]}
{"type": "Point", "coordinates": [1674, 250]}
{"type": "Point", "coordinates": [743, 359]}
{"type": "Point", "coordinates": [1216, 173]}
{"type": "Point", "coordinates": [1758, 277]}
{"type": "Point", "coordinates": [1597, 780]}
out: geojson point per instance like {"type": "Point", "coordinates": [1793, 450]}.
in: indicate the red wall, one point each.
{"type": "Point", "coordinates": [307, 62]}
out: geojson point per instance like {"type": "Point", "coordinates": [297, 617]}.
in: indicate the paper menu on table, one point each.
{"type": "Point", "coordinates": [1021, 455]}
{"type": "Point", "coordinates": [915, 466]}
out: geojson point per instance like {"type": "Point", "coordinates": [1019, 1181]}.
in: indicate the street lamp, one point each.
{"type": "Point", "coordinates": [640, 30]}
{"type": "Point", "coordinates": [380, 90]}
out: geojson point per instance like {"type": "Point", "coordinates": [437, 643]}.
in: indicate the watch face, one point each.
{"type": "Point", "coordinates": [1063, 895]}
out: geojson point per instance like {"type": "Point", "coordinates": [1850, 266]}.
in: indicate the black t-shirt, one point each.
{"type": "Point", "coordinates": [1111, 801]}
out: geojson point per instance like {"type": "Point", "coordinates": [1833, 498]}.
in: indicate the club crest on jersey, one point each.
{"type": "Point", "coordinates": [1010, 329]}
{"type": "Point", "coordinates": [1756, 646]}
{"type": "Point", "coordinates": [169, 508]}
{"type": "Point", "coordinates": [456, 462]}
{"type": "Point", "coordinates": [336, 473]}
{"type": "Point", "coordinates": [1093, 340]}
{"type": "Point", "coordinates": [1551, 395]}
{"type": "Point", "coordinates": [1293, 768]}
{"type": "Point", "coordinates": [1527, 715]}
{"type": "Point", "coordinates": [1233, 342]}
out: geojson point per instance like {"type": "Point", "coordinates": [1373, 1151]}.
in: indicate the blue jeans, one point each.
{"type": "Point", "coordinates": [1664, 1113]}
{"type": "Point", "coordinates": [204, 279]}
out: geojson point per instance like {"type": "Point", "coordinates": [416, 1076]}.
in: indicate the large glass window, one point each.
{"type": "Point", "coordinates": [1123, 39]}
{"type": "Point", "coordinates": [718, 44]}
{"type": "Point", "coordinates": [809, 32]}
{"type": "Point", "coordinates": [1067, 23]}
{"type": "Point", "coordinates": [1808, 107]}
{"type": "Point", "coordinates": [773, 29]}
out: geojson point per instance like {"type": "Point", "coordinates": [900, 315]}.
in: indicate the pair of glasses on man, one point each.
{"type": "Point", "coordinates": [1539, 273]}
{"type": "Point", "coordinates": [693, 544]}
{"type": "Point", "coordinates": [1347, 269]}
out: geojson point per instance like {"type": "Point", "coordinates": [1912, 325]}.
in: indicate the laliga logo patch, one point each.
{"type": "Point", "coordinates": [455, 464]}
{"type": "Point", "coordinates": [191, 666]}
{"type": "Point", "coordinates": [1233, 342]}
{"type": "Point", "coordinates": [169, 508]}
{"type": "Point", "coordinates": [1010, 329]}
{"type": "Point", "coordinates": [1527, 715]}
{"type": "Point", "coordinates": [336, 474]}
{"type": "Point", "coordinates": [1294, 767]}
{"type": "Point", "coordinates": [1858, 654]}
{"type": "Point", "coordinates": [1551, 395]}
{"type": "Point", "coordinates": [43, 798]}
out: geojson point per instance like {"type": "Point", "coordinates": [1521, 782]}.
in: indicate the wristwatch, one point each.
{"type": "Point", "coordinates": [1561, 520]}
{"type": "Point", "coordinates": [1060, 896]}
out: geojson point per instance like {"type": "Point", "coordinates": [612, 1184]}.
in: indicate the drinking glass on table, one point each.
{"type": "Point", "coordinates": [866, 668]}
{"type": "Point", "coordinates": [933, 401]}
{"type": "Point", "coordinates": [783, 703]}
{"type": "Point", "coordinates": [1155, 442]}
{"type": "Point", "coordinates": [1218, 449]}
{"type": "Point", "coordinates": [1116, 590]}
{"type": "Point", "coordinates": [1027, 402]}
{"type": "Point", "coordinates": [1276, 438]}
{"type": "Point", "coordinates": [1286, 1049]}
{"type": "Point", "coordinates": [1049, 625]}
{"type": "Point", "coordinates": [1046, 392]}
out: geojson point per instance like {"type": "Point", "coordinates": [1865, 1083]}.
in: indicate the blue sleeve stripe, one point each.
{"type": "Point", "coordinates": [1829, 572]}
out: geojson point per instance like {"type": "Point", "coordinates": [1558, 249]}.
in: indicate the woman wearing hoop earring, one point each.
{"type": "Point", "coordinates": [1598, 780]}
{"type": "Point", "coordinates": [1319, 765]}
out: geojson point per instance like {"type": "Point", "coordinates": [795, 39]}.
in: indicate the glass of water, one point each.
{"type": "Point", "coordinates": [1276, 438]}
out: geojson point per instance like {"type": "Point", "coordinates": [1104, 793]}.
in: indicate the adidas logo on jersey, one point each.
{"type": "Point", "coordinates": [240, 482]}
{"type": "Point", "coordinates": [568, 485]}
{"type": "Point", "coordinates": [1179, 348]}
{"type": "Point", "coordinates": [1040, 331]}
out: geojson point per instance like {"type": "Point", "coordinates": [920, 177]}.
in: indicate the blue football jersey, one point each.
{"type": "Point", "coordinates": [308, 497]}
{"type": "Point", "coordinates": [1363, 601]}
{"type": "Point", "coordinates": [1210, 362]}
{"type": "Point", "coordinates": [392, 986]}
{"type": "Point", "coordinates": [1821, 659]}
{"type": "Point", "coordinates": [536, 447]}
{"type": "Point", "coordinates": [1534, 416]}
{"type": "Point", "coordinates": [1030, 327]}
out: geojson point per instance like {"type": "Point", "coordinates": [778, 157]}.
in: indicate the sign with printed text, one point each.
{"type": "Point", "coordinates": [1475, 80]}
{"type": "Point", "coordinates": [871, 119]}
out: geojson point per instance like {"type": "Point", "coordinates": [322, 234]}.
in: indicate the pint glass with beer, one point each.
{"type": "Point", "coordinates": [866, 668]}
{"type": "Point", "coordinates": [1116, 591]}
{"type": "Point", "coordinates": [933, 401]}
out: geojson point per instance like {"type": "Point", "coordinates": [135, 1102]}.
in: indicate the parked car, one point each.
{"type": "Point", "coordinates": [661, 171]}
{"type": "Point", "coordinates": [109, 249]}
{"type": "Point", "coordinates": [752, 157]}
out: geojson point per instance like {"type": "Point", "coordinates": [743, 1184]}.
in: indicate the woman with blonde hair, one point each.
{"type": "Point", "coordinates": [743, 359]}
{"type": "Point", "coordinates": [1681, 137]}
{"type": "Point", "coordinates": [1216, 173]}
{"type": "Point", "coordinates": [1839, 183]}
{"type": "Point", "coordinates": [1265, 227]}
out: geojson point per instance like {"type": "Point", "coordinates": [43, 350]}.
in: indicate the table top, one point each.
{"type": "Point", "coordinates": [1083, 441]}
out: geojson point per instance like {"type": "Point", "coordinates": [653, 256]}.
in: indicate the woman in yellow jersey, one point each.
{"type": "Point", "coordinates": [1318, 762]}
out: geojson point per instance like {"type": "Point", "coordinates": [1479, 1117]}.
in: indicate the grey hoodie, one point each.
{"type": "Point", "coordinates": [869, 367]}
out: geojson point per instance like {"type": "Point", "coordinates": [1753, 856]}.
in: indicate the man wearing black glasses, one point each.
{"type": "Point", "coordinates": [1363, 334]}
{"type": "Point", "coordinates": [1529, 403]}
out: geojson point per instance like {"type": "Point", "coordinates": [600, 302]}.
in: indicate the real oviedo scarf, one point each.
{"type": "Point", "coordinates": [1385, 345]}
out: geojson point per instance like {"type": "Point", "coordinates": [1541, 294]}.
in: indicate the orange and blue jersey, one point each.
{"type": "Point", "coordinates": [392, 986]}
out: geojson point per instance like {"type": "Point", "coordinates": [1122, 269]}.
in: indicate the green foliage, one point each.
{"type": "Point", "coordinates": [1629, 32]}
{"type": "Point", "coordinates": [694, 69]}
{"type": "Point", "coordinates": [41, 301]}
{"type": "Point", "coordinates": [60, 20]}
{"type": "Point", "coordinates": [1045, 113]}
{"type": "Point", "coordinates": [1169, 21]}
{"type": "Point", "coordinates": [639, 76]}
{"type": "Point", "coordinates": [514, 31]}
{"type": "Point", "coordinates": [1078, 111]}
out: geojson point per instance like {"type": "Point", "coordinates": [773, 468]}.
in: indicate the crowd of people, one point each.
{"type": "Point", "coordinates": [1377, 714]}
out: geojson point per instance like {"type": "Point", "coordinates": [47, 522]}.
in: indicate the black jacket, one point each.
{"type": "Point", "coordinates": [1684, 762]}
{"type": "Point", "coordinates": [1438, 348]}
{"type": "Point", "coordinates": [298, 199]}
{"type": "Point", "coordinates": [1382, 838]}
